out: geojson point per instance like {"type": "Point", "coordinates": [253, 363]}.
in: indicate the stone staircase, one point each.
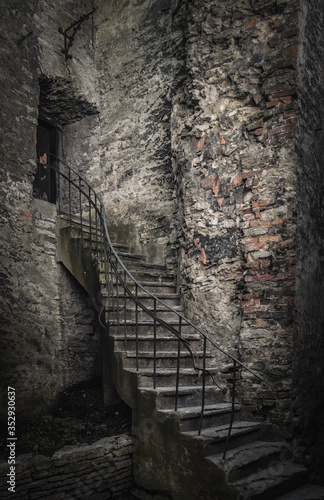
{"type": "Point", "coordinates": [170, 454]}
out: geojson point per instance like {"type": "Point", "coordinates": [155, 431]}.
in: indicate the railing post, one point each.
{"type": "Point", "coordinates": [101, 234]}
{"type": "Point", "coordinates": [125, 308]}
{"type": "Point", "coordinates": [203, 388]}
{"type": "Point", "coordinates": [90, 214]}
{"type": "Point", "coordinates": [70, 208]}
{"type": "Point", "coordinates": [117, 296]}
{"type": "Point", "coordinates": [178, 367]}
{"type": "Point", "coordinates": [96, 210]}
{"type": "Point", "coordinates": [107, 281]}
{"type": "Point", "coordinates": [233, 410]}
{"type": "Point", "coordinates": [80, 202]}
{"type": "Point", "coordinates": [136, 323]}
{"type": "Point", "coordinates": [154, 345]}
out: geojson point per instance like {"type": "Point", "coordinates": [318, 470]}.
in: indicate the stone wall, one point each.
{"type": "Point", "coordinates": [99, 471]}
{"type": "Point", "coordinates": [49, 337]}
{"type": "Point", "coordinates": [233, 128]}
{"type": "Point", "coordinates": [309, 302]}
{"type": "Point", "coordinates": [47, 342]}
{"type": "Point", "coordinates": [134, 61]}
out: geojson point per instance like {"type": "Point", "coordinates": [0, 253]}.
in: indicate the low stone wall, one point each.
{"type": "Point", "coordinates": [98, 471]}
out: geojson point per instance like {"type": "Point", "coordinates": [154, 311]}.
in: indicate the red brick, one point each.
{"type": "Point", "coordinates": [290, 51]}
{"type": "Point", "coordinates": [272, 103]}
{"type": "Point", "coordinates": [238, 179]}
{"type": "Point", "coordinates": [203, 257]}
{"type": "Point", "coordinates": [255, 125]}
{"type": "Point", "coordinates": [248, 241]}
{"type": "Point", "coordinates": [270, 238]}
{"type": "Point", "coordinates": [258, 131]}
{"type": "Point", "coordinates": [200, 144]}
{"type": "Point", "coordinates": [23, 213]}
{"type": "Point", "coordinates": [285, 63]}
{"type": "Point", "coordinates": [250, 24]}
{"type": "Point", "coordinates": [216, 183]}
{"type": "Point", "coordinates": [289, 114]}
{"type": "Point", "coordinates": [286, 100]}
{"type": "Point", "coordinates": [250, 173]}
{"type": "Point", "coordinates": [274, 111]}
{"type": "Point", "coordinates": [289, 33]}
{"type": "Point", "coordinates": [273, 41]}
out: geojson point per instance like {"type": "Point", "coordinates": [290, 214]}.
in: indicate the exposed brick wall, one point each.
{"type": "Point", "coordinates": [99, 471]}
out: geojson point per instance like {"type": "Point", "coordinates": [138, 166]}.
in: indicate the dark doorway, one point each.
{"type": "Point", "coordinates": [47, 148]}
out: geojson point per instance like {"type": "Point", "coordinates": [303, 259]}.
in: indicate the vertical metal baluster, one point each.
{"type": "Point", "coordinates": [107, 280]}
{"type": "Point", "coordinates": [58, 188]}
{"type": "Point", "coordinates": [233, 410]}
{"type": "Point", "coordinates": [178, 366]}
{"type": "Point", "coordinates": [49, 179]}
{"type": "Point", "coordinates": [70, 209]}
{"type": "Point", "coordinates": [112, 305]}
{"type": "Point", "coordinates": [80, 202]}
{"type": "Point", "coordinates": [136, 323]}
{"type": "Point", "coordinates": [101, 232]}
{"type": "Point", "coordinates": [203, 388]}
{"type": "Point", "coordinates": [154, 347]}
{"type": "Point", "coordinates": [125, 311]}
{"type": "Point", "coordinates": [90, 215]}
{"type": "Point", "coordinates": [117, 294]}
{"type": "Point", "coordinates": [97, 250]}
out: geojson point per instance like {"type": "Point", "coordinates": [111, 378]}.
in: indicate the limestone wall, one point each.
{"type": "Point", "coordinates": [100, 471]}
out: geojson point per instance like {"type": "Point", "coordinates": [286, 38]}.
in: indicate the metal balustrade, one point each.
{"type": "Point", "coordinates": [79, 202]}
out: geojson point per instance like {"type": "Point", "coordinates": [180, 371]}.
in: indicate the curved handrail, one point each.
{"type": "Point", "coordinates": [94, 202]}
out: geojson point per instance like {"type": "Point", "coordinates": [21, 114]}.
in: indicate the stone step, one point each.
{"type": "Point", "coordinates": [154, 287]}
{"type": "Point", "coordinates": [145, 328]}
{"type": "Point", "coordinates": [161, 312]}
{"type": "Point", "coordinates": [131, 257]}
{"type": "Point", "coordinates": [267, 484]}
{"type": "Point", "coordinates": [151, 274]}
{"type": "Point", "coordinates": [168, 299]}
{"type": "Point", "coordinates": [243, 461]}
{"type": "Point", "coordinates": [213, 438]}
{"type": "Point", "coordinates": [166, 377]}
{"type": "Point", "coordinates": [214, 415]}
{"type": "Point", "coordinates": [306, 492]}
{"type": "Point", "coordinates": [187, 396]}
{"type": "Point", "coordinates": [146, 342]}
{"type": "Point", "coordinates": [164, 359]}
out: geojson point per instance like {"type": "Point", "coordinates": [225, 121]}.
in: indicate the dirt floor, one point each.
{"type": "Point", "coordinates": [78, 417]}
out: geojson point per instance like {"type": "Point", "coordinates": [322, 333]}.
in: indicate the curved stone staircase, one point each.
{"type": "Point", "coordinates": [177, 449]}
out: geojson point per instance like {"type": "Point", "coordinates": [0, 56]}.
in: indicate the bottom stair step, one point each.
{"type": "Point", "coordinates": [277, 479]}
{"type": "Point", "coordinates": [244, 460]}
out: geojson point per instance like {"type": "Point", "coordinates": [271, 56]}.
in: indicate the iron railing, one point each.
{"type": "Point", "coordinates": [77, 200]}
